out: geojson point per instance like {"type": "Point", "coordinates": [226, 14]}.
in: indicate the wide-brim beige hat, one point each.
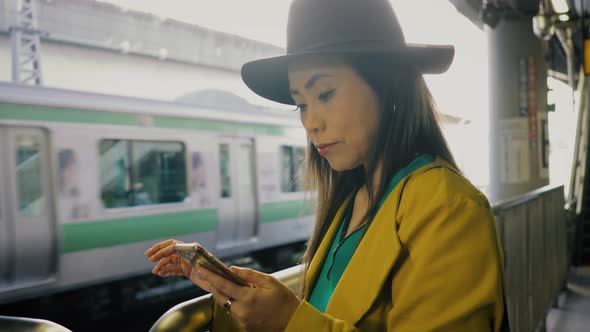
{"type": "Point", "coordinates": [362, 27]}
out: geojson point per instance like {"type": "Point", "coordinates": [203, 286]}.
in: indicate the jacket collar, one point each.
{"type": "Point", "coordinates": [380, 247]}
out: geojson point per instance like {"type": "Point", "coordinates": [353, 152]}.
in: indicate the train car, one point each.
{"type": "Point", "coordinates": [88, 182]}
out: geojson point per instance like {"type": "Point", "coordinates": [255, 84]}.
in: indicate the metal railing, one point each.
{"type": "Point", "coordinates": [532, 231]}
{"type": "Point", "coordinates": [22, 324]}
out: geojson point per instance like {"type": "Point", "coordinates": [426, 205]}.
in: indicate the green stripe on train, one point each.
{"type": "Point", "coordinates": [106, 233]}
{"type": "Point", "coordinates": [54, 114]}
{"type": "Point", "coordinates": [226, 127]}
{"type": "Point", "coordinates": [277, 211]}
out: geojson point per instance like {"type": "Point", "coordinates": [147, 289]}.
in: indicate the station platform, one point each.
{"type": "Point", "coordinates": [573, 311]}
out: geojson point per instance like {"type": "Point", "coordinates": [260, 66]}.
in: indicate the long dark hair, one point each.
{"type": "Point", "coordinates": [408, 125]}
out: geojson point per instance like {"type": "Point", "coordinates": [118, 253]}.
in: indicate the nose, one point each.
{"type": "Point", "coordinates": [313, 121]}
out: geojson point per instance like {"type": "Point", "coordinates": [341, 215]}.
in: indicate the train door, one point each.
{"type": "Point", "coordinates": [237, 214]}
{"type": "Point", "coordinates": [26, 218]}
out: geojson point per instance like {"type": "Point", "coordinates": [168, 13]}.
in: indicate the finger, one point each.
{"type": "Point", "coordinates": [166, 264]}
{"type": "Point", "coordinates": [170, 269]}
{"type": "Point", "coordinates": [251, 276]}
{"type": "Point", "coordinates": [156, 247]}
{"type": "Point", "coordinates": [163, 252]}
{"type": "Point", "coordinates": [221, 298]}
{"type": "Point", "coordinates": [175, 271]}
{"type": "Point", "coordinates": [160, 245]}
{"type": "Point", "coordinates": [240, 273]}
{"type": "Point", "coordinates": [236, 309]}
{"type": "Point", "coordinates": [221, 284]}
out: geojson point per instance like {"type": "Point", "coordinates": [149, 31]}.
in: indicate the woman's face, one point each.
{"type": "Point", "coordinates": [337, 106]}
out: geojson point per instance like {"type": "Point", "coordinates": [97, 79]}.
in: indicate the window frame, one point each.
{"type": "Point", "coordinates": [293, 180]}
{"type": "Point", "coordinates": [129, 151]}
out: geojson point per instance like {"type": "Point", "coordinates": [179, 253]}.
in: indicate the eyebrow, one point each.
{"type": "Point", "coordinates": [311, 81]}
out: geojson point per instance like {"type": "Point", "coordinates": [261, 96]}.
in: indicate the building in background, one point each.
{"type": "Point", "coordinates": [99, 47]}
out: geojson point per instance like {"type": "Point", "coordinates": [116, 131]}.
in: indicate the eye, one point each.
{"type": "Point", "coordinates": [300, 107]}
{"type": "Point", "coordinates": [324, 97]}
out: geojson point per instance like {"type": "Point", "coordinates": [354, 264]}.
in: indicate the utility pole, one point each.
{"type": "Point", "coordinates": [25, 40]}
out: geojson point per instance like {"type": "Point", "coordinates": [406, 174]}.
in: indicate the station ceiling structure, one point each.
{"type": "Point", "coordinates": [563, 23]}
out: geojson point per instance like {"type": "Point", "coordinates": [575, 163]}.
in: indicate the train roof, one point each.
{"type": "Point", "coordinates": [43, 96]}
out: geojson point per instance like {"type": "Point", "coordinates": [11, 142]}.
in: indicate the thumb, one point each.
{"type": "Point", "coordinates": [251, 276]}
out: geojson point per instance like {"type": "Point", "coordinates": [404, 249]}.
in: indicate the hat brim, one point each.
{"type": "Point", "coordinates": [268, 77]}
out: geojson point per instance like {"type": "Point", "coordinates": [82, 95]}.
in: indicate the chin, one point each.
{"type": "Point", "coordinates": [340, 165]}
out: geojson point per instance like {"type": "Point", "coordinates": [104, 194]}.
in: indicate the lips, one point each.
{"type": "Point", "coordinates": [325, 148]}
{"type": "Point", "coordinates": [322, 146]}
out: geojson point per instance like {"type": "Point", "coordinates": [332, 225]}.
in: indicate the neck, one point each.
{"type": "Point", "coordinates": [376, 176]}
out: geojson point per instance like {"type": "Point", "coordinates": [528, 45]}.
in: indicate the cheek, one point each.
{"type": "Point", "coordinates": [357, 124]}
{"type": "Point", "coordinates": [370, 114]}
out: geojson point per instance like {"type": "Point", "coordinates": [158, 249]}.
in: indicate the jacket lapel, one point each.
{"type": "Point", "coordinates": [378, 252]}
{"type": "Point", "coordinates": [380, 249]}
{"type": "Point", "coordinates": [316, 263]}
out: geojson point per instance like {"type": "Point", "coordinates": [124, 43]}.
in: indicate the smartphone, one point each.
{"type": "Point", "coordinates": [196, 254]}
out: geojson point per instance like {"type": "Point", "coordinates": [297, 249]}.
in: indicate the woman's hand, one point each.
{"type": "Point", "coordinates": [170, 264]}
{"type": "Point", "coordinates": [266, 307]}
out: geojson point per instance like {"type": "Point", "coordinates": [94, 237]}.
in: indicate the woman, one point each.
{"type": "Point", "coordinates": [402, 242]}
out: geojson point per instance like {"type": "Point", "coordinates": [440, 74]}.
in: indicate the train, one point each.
{"type": "Point", "coordinates": [89, 181]}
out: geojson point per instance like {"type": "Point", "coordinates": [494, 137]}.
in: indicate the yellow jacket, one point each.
{"type": "Point", "coordinates": [430, 261]}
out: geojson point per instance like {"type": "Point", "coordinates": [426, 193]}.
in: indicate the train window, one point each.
{"type": "Point", "coordinates": [136, 173]}
{"type": "Point", "coordinates": [292, 168]}
{"type": "Point", "coordinates": [28, 166]}
{"type": "Point", "coordinates": [224, 170]}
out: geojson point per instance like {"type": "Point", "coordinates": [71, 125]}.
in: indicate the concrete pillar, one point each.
{"type": "Point", "coordinates": [518, 88]}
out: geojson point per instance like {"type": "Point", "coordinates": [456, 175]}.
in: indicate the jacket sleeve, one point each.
{"type": "Point", "coordinates": [452, 278]}
{"type": "Point", "coordinates": [308, 318]}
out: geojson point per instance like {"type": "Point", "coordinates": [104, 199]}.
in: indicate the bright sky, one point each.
{"type": "Point", "coordinates": [266, 20]}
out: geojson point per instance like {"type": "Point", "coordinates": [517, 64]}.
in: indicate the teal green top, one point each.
{"type": "Point", "coordinates": [339, 255]}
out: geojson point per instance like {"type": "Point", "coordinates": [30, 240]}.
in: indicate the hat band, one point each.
{"type": "Point", "coordinates": [360, 44]}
